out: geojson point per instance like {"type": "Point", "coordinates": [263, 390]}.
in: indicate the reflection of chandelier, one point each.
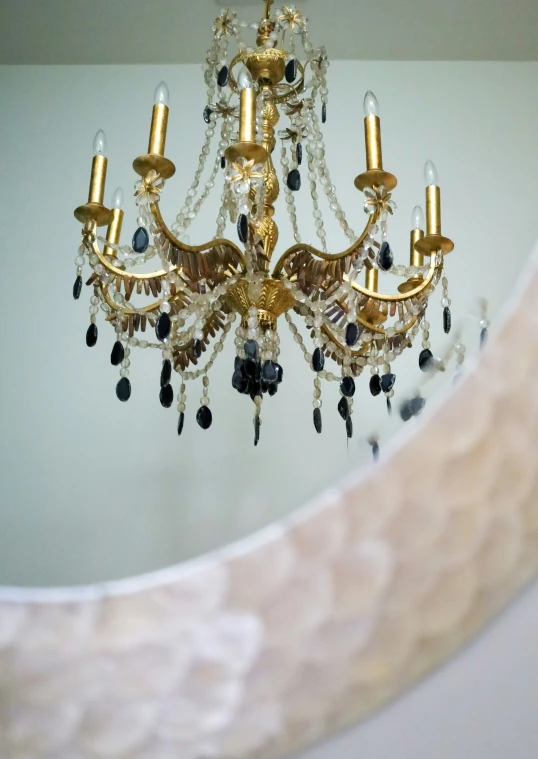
{"type": "Point", "coordinates": [200, 289]}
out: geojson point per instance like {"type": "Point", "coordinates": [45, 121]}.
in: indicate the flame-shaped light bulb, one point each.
{"type": "Point", "coordinates": [244, 79]}
{"type": "Point", "coordinates": [117, 198]}
{"type": "Point", "coordinates": [371, 106]}
{"type": "Point", "coordinates": [162, 95]}
{"type": "Point", "coordinates": [417, 218]}
{"type": "Point", "coordinates": [99, 143]}
{"type": "Point", "coordinates": [430, 174]}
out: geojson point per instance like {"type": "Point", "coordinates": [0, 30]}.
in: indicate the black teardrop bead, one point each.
{"type": "Point", "coordinates": [290, 72]}
{"type": "Point", "coordinates": [180, 422]}
{"type": "Point", "coordinates": [251, 350]}
{"type": "Point", "coordinates": [91, 335]}
{"type": "Point", "coordinates": [197, 348]}
{"type": "Point", "coordinates": [140, 240]}
{"type": "Point", "coordinates": [387, 382]}
{"type": "Point", "coordinates": [318, 360]}
{"type": "Point", "coordinates": [317, 420]}
{"type": "Point", "coordinates": [163, 326]}
{"type": "Point", "coordinates": [347, 387]}
{"type": "Point", "coordinates": [425, 359]}
{"type": "Point", "coordinates": [349, 427]}
{"type": "Point", "coordinates": [352, 333]}
{"type": "Point", "coordinates": [239, 381]}
{"type": "Point", "coordinates": [166, 396]}
{"type": "Point", "coordinates": [269, 374]}
{"type": "Point", "coordinates": [253, 370]}
{"type": "Point", "coordinates": [223, 162]}
{"type": "Point", "coordinates": [299, 153]}
{"type": "Point", "coordinates": [77, 288]}
{"type": "Point", "coordinates": [343, 407]}
{"type": "Point", "coordinates": [166, 372]}
{"type": "Point", "coordinates": [257, 426]}
{"type": "Point", "coordinates": [222, 77]}
{"type": "Point", "coordinates": [279, 373]}
{"type": "Point", "coordinates": [242, 227]}
{"type": "Point", "coordinates": [324, 113]}
{"type": "Point", "coordinates": [294, 180]}
{"type": "Point", "coordinates": [416, 405]}
{"type": "Point", "coordinates": [389, 407]}
{"type": "Point", "coordinates": [272, 390]}
{"type": "Point", "coordinates": [483, 337]}
{"type": "Point", "coordinates": [123, 389]}
{"type": "Point", "coordinates": [447, 320]}
{"type": "Point", "coordinates": [204, 417]}
{"type": "Point", "coordinates": [385, 258]}
{"type": "Point", "coordinates": [375, 384]}
{"type": "Point", "coordinates": [117, 354]}
{"type": "Point", "coordinates": [207, 114]}
{"type": "Point", "coordinates": [405, 411]}
{"type": "Point", "coordinates": [255, 389]}
{"type": "Point", "coordinates": [375, 451]}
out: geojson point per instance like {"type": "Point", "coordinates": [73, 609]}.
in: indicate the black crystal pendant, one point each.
{"type": "Point", "coordinates": [242, 227]}
{"type": "Point", "coordinates": [197, 348]}
{"type": "Point", "coordinates": [375, 450]}
{"type": "Point", "coordinates": [279, 373]}
{"type": "Point", "coordinates": [204, 417]}
{"type": "Point", "coordinates": [269, 374]}
{"type": "Point", "coordinates": [318, 360]}
{"type": "Point", "coordinates": [272, 390]}
{"type": "Point", "coordinates": [389, 407]}
{"type": "Point", "coordinates": [405, 411]}
{"type": "Point", "coordinates": [123, 389]}
{"type": "Point", "coordinates": [140, 240]}
{"type": "Point", "coordinates": [207, 114]}
{"type": "Point", "coordinates": [387, 382]}
{"type": "Point", "coordinates": [385, 257]}
{"type": "Point", "coordinates": [180, 423]}
{"type": "Point", "coordinates": [483, 337]}
{"type": "Point", "coordinates": [251, 350]}
{"type": "Point", "coordinates": [343, 407]}
{"type": "Point", "coordinates": [294, 180]}
{"type": "Point", "coordinates": [352, 333]}
{"type": "Point", "coordinates": [317, 420]}
{"type": "Point", "coordinates": [91, 335]}
{"type": "Point", "coordinates": [375, 384]}
{"type": "Point", "coordinates": [166, 372]}
{"type": "Point", "coordinates": [347, 387]}
{"type": "Point", "coordinates": [299, 153]}
{"type": "Point", "coordinates": [425, 360]}
{"type": "Point", "coordinates": [257, 427]}
{"type": "Point", "coordinates": [163, 326]}
{"type": "Point", "coordinates": [77, 288]}
{"type": "Point", "coordinates": [117, 354]}
{"type": "Point", "coordinates": [239, 381]}
{"type": "Point", "coordinates": [290, 72]}
{"type": "Point", "coordinates": [416, 405]}
{"type": "Point", "coordinates": [223, 162]}
{"type": "Point", "coordinates": [166, 396]}
{"type": "Point", "coordinates": [222, 77]}
{"type": "Point", "coordinates": [349, 427]}
{"type": "Point", "coordinates": [324, 113]}
{"type": "Point", "coordinates": [447, 320]}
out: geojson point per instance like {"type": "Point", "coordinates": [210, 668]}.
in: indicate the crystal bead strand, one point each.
{"type": "Point", "coordinates": [290, 200]}
{"type": "Point", "coordinates": [484, 322]}
{"type": "Point", "coordinates": [445, 303]}
{"type": "Point", "coordinates": [204, 417]}
{"type": "Point", "coordinates": [318, 217]}
{"type": "Point", "coordinates": [181, 406]}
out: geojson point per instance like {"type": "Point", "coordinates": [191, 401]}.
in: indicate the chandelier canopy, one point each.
{"type": "Point", "coordinates": [200, 290]}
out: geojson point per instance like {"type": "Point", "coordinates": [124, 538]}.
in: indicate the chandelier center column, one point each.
{"type": "Point", "coordinates": [267, 226]}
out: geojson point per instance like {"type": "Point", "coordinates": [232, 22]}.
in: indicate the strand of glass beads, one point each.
{"type": "Point", "coordinates": [290, 200]}
{"type": "Point", "coordinates": [181, 406]}
{"type": "Point", "coordinates": [445, 303]}
{"type": "Point", "coordinates": [318, 216]}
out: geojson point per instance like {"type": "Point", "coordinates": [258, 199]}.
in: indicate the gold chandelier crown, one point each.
{"type": "Point", "coordinates": [195, 295]}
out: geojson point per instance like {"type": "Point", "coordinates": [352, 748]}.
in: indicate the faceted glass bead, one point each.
{"type": "Point", "coordinates": [180, 423]}
{"type": "Point", "coordinates": [123, 389]}
{"type": "Point", "coordinates": [343, 407]}
{"type": "Point", "coordinates": [375, 451]}
{"type": "Point", "coordinates": [240, 381]}
{"type": "Point", "coordinates": [447, 320]}
{"type": "Point", "coordinates": [166, 372]}
{"type": "Point", "coordinates": [242, 227]}
{"type": "Point", "coordinates": [425, 359]}
{"type": "Point", "coordinates": [251, 350]}
{"type": "Point", "coordinates": [405, 411]}
{"type": "Point", "coordinates": [91, 335]}
{"type": "Point", "coordinates": [223, 162]}
{"type": "Point", "coordinates": [166, 396]}
{"type": "Point", "coordinates": [204, 417]}
{"type": "Point", "coordinates": [222, 78]}
{"type": "Point", "coordinates": [416, 405]}
{"type": "Point", "coordinates": [294, 180]}
{"type": "Point", "coordinates": [324, 113]}
{"type": "Point", "coordinates": [375, 384]}
{"type": "Point", "coordinates": [317, 420]}
{"type": "Point", "coordinates": [290, 71]}
{"type": "Point", "coordinates": [197, 348]}
{"type": "Point", "coordinates": [77, 288]}
{"type": "Point", "coordinates": [483, 336]}
{"type": "Point", "coordinates": [272, 390]}
{"type": "Point", "coordinates": [385, 258]}
{"type": "Point", "coordinates": [318, 360]}
{"type": "Point", "coordinates": [269, 374]}
{"type": "Point", "coordinates": [387, 382]}
{"type": "Point", "coordinates": [349, 427]}
{"type": "Point", "coordinates": [389, 407]}
{"type": "Point", "coordinates": [257, 426]}
{"type": "Point", "coordinates": [163, 327]}
{"type": "Point", "coordinates": [352, 333]}
{"type": "Point", "coordinates": [299, 153]}
{"type": "Point", "coordinates": [279, 374]}
{"type": "Point", "coordinates": [207, 114]}
{"type": "Point", "coordinates": [347, 387]}
{"type": "Point", "coordinates": [140, 240]}
{"type": "Point", "coordinates": [117, 354]}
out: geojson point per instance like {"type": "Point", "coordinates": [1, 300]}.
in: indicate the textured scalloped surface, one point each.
{"type": "Point", "coordinates": [313, 623]}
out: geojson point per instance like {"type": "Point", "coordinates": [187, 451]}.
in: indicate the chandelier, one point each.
{"type": "Point", "coordinates": [196, 292]}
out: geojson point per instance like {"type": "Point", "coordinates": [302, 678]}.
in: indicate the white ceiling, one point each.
{"type": "Point", "coordinates": [178, 31]}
